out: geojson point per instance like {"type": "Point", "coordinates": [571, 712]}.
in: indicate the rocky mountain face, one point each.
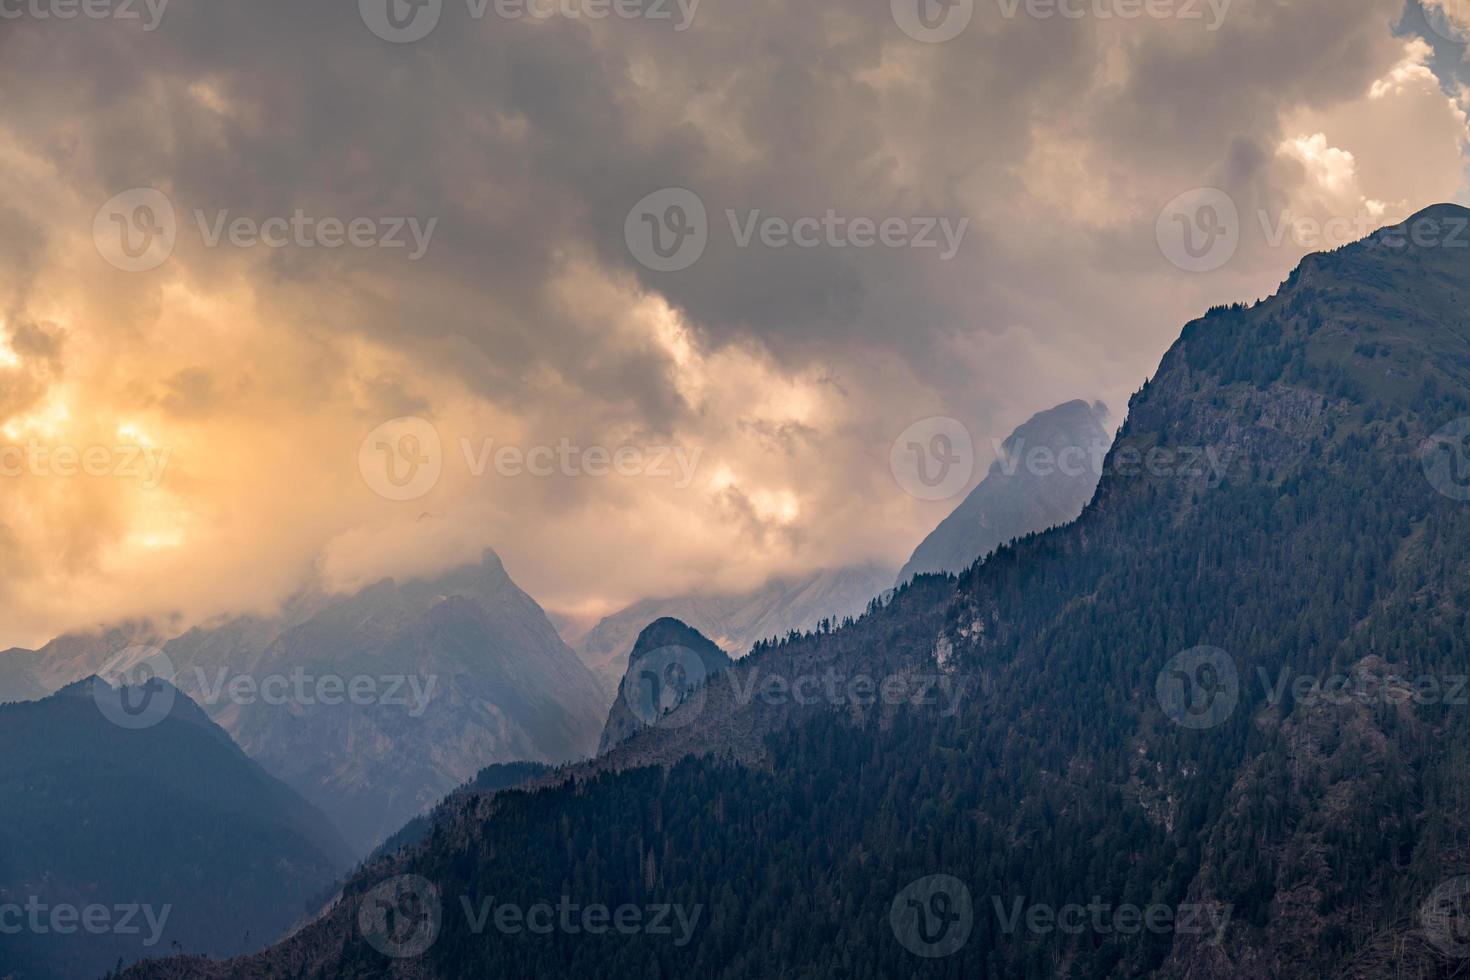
{"type": "Point", "coordinates": [119, 843]}
{"type": "Point", "coordinates": [737, 621]}
{"type": "Point", "coordinates": [669, 662]}
{"type": "Point", "coordinates": [1044, 474]}
{"type": "Point", "coordinates": [374, 705]}
{"type": "Point", "coordinates": [379, 703]}
{"type": "Point", "coordinates": [1214, 728]}
{"type": "Point", "coordinates": [26, 675]}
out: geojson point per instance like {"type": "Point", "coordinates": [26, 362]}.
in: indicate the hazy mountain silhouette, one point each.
{"type": "Point", "coordinates": [736, 621]}
{"type": "Point", "coordinates": [374, 705]}
{"type": "Point", "coordinates": [465, 671]}
{"type": "Point", "coordinates": [1044, 475]}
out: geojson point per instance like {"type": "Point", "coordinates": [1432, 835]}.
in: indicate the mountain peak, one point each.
{"type": "Point", "coordinates": [78, 689]}
{"type": "Point", "coordinates": [679, 658]}
{"type": "Point", "coordinates": [1438, 225]}
{"type": "Point", "coordinates": [178, 706]}
{"type": "Point", "coordinates": [1046, 473]}
{"type": "Point", "coordinates": [167, 810]}
{"type": "Point", "coordinates": [738, 620]}
{"type": "Point", "coordinates": [1443, 210]}
{"type": "Point", "coordinates": [668, 631]}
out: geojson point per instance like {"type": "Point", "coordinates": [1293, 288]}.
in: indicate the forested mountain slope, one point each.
{"type": "Point", "coordinates": [117, 843]}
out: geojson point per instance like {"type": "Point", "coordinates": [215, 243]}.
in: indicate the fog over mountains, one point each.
{"type": "Point", "coordinates": [373, 705]}
{"type": "Point", "coordinates": [458, 672]}
{"type": "Point", "coordinates": [736, 621]}
{"type": "Point", "coordinates": [464, 671]}
{"type": "Point", "coordinates": [1045, 473]}
{"type": "Point", "coordinates": [745, 490]}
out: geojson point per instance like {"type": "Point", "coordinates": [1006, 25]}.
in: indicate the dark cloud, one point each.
{"type": "Point", "coordinates": [527, 143]}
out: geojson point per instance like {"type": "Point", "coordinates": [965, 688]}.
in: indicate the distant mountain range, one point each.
{"type": "Point", "coordinates": [374, 705]}
{"type": "Point", "coordinates": [736, 621]}
{"type": "Point", "coordinates": [29, 674]}
{"type": "Point", "coordinates": [465, 671]}
{"type": "Point", "coordinates": [165, 835]}
{"type": "Point", "coordinates": [1224, 698]}
{"type": "Point", "coordinates": [1045, 473]}
{"type": "Point", "coordinates": [458, 672]}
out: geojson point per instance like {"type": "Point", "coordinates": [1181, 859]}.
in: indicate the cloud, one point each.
{"type": "Point", "coordinates": [529, 321]}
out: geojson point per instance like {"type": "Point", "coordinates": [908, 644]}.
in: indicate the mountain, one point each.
{"type": "Point", "coordinates": [453, 674]}
{"type": "Point", "coordinates": [1045, 473]}
{"type": "Point", "coordinates": [18, 680]}
{"type": "Point", "coordinates": [29, 674]}
{"type": "Point", "coordinates": [1214, 728]}
{"type": "Point", "coordinates": [168, 830]}
{"type": "Point", "coordinates": [375, 704]}
{"type": "Point", "coordinates": [736, 621]}
{"type": "Point", "coordinates": [667, 663]}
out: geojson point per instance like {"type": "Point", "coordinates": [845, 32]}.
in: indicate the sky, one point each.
{"type": "Point", "coordinates": [650, 297]}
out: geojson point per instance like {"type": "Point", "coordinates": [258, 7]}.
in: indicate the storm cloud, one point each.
{"type": "Point", "coordinates": [297, 304]}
